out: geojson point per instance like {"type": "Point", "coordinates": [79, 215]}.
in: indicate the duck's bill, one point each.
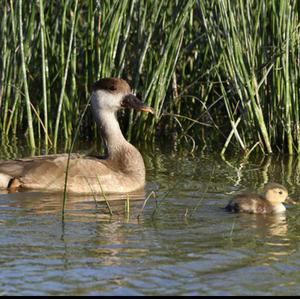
{"type": "Point", "coordinates": [131, 101]}
{"type": "Point", "coordinates": [147, 109]}
{"type": "Point", "coordinates": [290, 201]}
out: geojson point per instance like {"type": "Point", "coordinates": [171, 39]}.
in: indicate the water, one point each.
{"type": "Point", "coordinates": [182, 243]}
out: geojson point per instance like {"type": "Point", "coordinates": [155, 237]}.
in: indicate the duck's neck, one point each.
{"type": "Point", "coordinates": [111, 133]}
{"type": "Point", "coordinates": [122, 155]}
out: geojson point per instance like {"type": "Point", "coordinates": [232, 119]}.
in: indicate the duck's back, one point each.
{"type": "Point", "coordinates": [249, 203]}
{"type": "Point", "coordinates": [86, 174]}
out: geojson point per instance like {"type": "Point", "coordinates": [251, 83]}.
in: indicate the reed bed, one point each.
{"type": "Point", "coordinates": [222, 74]}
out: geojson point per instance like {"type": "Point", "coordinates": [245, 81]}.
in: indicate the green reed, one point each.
{"type": "Point", "coordinates": [223, 74]}
{"type": "Point", "coordinates": [254, 43]}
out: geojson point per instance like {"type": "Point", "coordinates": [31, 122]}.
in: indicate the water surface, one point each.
{"type": "Point", "coordinates": [181, 243]}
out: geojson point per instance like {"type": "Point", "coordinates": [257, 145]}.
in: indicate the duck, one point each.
{"type": "Point", "coordinates": [121, 170]}
{"type": "Point", "coordinates": [271, 202]}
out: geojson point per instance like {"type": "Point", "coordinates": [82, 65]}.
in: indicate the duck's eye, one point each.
{"type": "Point", "coordinates": [280, 192]}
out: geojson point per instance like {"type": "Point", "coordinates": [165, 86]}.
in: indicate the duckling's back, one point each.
{"type": "Point", "coordinates": [249, 203]}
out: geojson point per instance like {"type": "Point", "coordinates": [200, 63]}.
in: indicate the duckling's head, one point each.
{"type": "Point", "coordinates": [112, 94]}
{"type": "Point", "coordinates": [275, 193]}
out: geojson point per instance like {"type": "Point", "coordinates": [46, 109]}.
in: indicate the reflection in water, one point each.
{"type": "Point", "coordinates": [89, 234]}
{"type": "Point", "coordinates": [268, 235]}
{"type": "Point", "coordinates": [263, 169]}
{"type": "Point", "coordinates": [266, 225]}
{"type": "Point", "coordinates": [80, 206]}
{"type": "Point", "coordinates": [170, 252]}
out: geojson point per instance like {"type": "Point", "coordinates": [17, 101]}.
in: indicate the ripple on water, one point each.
{"type": "Point", "coordinates": [183, 243]}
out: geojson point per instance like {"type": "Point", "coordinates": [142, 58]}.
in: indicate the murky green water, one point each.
{"type": "Point", "coordinates": [183, 243]}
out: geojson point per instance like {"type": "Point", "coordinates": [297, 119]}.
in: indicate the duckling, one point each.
{"type": "Point", "coordinates": [271, 202]}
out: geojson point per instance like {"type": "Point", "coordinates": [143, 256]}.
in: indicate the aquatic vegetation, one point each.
{"type": "Point", "coordinates": [220, 74]}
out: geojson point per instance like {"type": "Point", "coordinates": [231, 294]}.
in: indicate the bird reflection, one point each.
{"type": "Point", "coordinates": [88, 222]}
{"type": "Point", "coordinates": [275, 225]}
{"type": "Point", "coordinates": [82, 207]}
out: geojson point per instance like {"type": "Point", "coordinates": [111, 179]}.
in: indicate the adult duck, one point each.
{"type": "Point", "coordinates": [122, 170]}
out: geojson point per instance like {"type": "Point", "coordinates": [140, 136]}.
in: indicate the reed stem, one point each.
{"type": "Point", "coordinates": [27, 99]}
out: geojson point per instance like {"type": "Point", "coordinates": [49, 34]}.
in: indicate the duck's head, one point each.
{"type": "Point", "coordinates": [113, 94]}
{"type": "Point", "coordinates": [275, 193]}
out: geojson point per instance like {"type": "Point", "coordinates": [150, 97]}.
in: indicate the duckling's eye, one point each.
{"type": "Point", "coordinates": [280, 192]}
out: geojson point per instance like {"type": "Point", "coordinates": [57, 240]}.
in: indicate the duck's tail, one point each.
{"type": "Point", "coordinates": [232, 207]}
{"type": "Point", "coordinates": [4, 180]}
{"type": "Point", "coordinates": [8, 182]}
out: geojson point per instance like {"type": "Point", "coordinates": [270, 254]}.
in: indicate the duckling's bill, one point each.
{"type": "Point", "coordinates": [290, 201]}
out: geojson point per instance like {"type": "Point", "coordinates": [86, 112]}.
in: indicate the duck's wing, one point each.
{"type": "Point", "coordinates": [18, 167]}
{"type": "Point", "coordinates": [86, 175]}
{"type": "Point", "coordinates": [248, 203]}
{"type": "Point", "coordinates": [11, 169]}
{"type": "Point", "coordinates": [48, 172]}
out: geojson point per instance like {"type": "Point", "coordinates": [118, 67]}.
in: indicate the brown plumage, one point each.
{"type": "Point", "coordinates": [270, 202]}
{"type": "Point", "coordinates": [121, 171]}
